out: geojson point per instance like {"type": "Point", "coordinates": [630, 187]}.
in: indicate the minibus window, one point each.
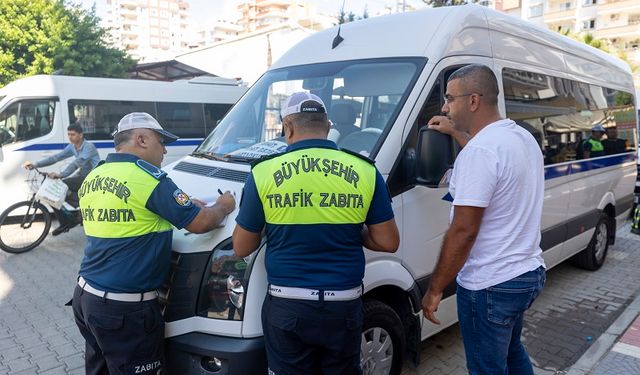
{"type": "Point", "coordinates": [8, 124]}
{"type": "Point", "coordinates": [99, 118]}
{"type": "Point", "coordinates": [402, 176]}
{"type": "Point", "coordinates": [182, 119]}
{"type": "Point", "coordinates": [26, 120]}
{"type": "Point", "coordinates": [213, 113]}
{"type": "Point", "coordinates": [362, 97]}
{"type": "Point", "coordinates": [560, 114]}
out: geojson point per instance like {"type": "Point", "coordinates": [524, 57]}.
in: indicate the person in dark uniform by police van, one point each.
{"type": "Point", "coordinates": [129, 208]}
{"type": "Point", "coordinates": [319, 206]}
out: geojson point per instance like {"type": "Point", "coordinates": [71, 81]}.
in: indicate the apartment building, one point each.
{"type": "Point", "coordinates": [214, 32]}
{"type": "Point", "coordinates": [260, 14]}
{"type": "Point", "coordinates": [617, 22]}
{"type": "Point", "coordinates": [149, 30]}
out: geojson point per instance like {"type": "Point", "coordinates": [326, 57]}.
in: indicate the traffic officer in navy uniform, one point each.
{"type": "Point", "coordinates": [319, 206]}
{"type": "Point", "coordinates": [129, 208]}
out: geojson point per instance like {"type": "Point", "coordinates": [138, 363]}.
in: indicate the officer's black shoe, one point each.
{"type": "Point", "coordinates": [61, 229]}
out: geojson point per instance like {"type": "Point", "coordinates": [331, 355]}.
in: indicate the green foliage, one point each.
{"type": "Point", "coordinates": [623, 99]}
{"type": "Point", "coordinates": [602, 44]}
{"type": "Point", "coordinates": [344, 17]}
{"type": "Point", "coordinates": [44, 36]}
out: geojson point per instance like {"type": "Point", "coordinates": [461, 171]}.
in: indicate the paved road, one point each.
{"type": "Point", "coordinates": [38, 335]}
{"type": "Point", "coordinates": [575, 307]}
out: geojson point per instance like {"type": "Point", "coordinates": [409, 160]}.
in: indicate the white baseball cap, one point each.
{"type": "Point", "coordinates": [302, 102]}
{"type": "Point", "coordinates": [143, 120]}
{"type": "Point", "coordinates": [598, 128]}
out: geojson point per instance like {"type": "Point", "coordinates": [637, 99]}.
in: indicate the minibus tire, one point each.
{"type": "Point", "coordinates": [6, 218]}
{"type": "Point", "coordinates": [381, 322]}
{"type": "Point", "coordinates": [593, 257]}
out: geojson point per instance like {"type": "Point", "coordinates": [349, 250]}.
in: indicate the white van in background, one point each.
{"type": "Point", "coordinates": [381, 80]}
{"type": "Point", "coordinates": [35, 113]}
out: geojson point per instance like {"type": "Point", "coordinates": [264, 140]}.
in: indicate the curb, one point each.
{"type": "Point", "coordinates": [605, 342]}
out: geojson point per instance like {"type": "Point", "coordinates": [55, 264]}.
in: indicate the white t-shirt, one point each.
{"type": "Point", "coordinates": [501, 168]}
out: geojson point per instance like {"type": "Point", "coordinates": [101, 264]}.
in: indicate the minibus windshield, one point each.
{"type": "Point", "coordinates": [363, 98]}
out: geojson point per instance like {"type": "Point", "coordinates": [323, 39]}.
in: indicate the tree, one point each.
{"type": "Point", "coordinates": [344, 17]}
{"type": "Point", "coordinates": [445, 3]}
{"type": "Point", "coordinates": [43, 36]}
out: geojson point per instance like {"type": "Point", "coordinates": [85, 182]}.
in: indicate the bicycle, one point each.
{"type": "Point", "coordinates": [24, 225]}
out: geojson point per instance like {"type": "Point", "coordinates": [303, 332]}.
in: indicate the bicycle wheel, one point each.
{"type": "Point", "coordinates": [24, 226]}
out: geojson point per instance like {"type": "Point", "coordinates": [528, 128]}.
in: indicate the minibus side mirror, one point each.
{"type": "Point", "coordinates": [435, 156]}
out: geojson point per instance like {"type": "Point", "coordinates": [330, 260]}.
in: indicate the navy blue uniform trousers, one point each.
{"type": "Point", "coordinates": [121, 337]}
{"type": "Point", "coordinates": [312, 337]}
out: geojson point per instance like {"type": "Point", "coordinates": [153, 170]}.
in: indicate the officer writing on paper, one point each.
{"type": "Point", "coordinates": [85, 158]}
{"type": "Point", "coordinates": [319, 206]}
{"type": "Point", "coordinates": [129, 207]}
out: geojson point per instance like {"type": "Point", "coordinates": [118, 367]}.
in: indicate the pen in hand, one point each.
{"type": "Point", "coordinates": [220, 191]}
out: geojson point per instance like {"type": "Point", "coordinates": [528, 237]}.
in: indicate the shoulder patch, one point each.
{"type": "Point", "coordinates": [358, 155]}
{"type": "Point", "coordinates": [265, 158]}
{"type": "Point", "coordinates": [181, 198]}
{"type": "Point", "coordinates": [156, 172]}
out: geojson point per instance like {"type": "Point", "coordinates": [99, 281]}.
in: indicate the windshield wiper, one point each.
{"type": "Point", "coordinates": [239, 158]}
{"type": "Point", "coordinates": [211, 156]}
{"type": "Point", "coordinates": [207, 155]}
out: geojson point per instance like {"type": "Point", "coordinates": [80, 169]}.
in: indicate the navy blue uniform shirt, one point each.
{"type": "Point", "coordinates": [317, 256]}
{"type": "Point", "coordinates": [140, 263]}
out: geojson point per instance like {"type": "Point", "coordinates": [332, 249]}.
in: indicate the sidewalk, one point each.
{"type": "Point", "coordinates": [617, 351]}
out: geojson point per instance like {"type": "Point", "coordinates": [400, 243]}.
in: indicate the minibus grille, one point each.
{"type": "Point", "coordinates": [213, 172]}
{"type": "Point", "coordinates": [178, 296]}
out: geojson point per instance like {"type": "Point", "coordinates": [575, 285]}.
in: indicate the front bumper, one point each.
{"type": "Point", "coordinates": [185, 354]}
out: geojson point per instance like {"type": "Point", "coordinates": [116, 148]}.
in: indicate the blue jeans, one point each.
{"type": "Point", "coordinates": [491, 324]}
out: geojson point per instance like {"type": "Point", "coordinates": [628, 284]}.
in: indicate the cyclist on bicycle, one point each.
{"type": "Point", "coordinates": [85, 157]}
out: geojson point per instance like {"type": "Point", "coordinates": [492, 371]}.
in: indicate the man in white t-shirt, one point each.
{"type": "Point", "coordinates": [493, 243]}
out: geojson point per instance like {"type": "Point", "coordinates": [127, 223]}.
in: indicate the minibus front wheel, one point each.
{"type": "Point", "coordinates": [382, 340]}
{"type": "Point", "coordinates": [592, 258]}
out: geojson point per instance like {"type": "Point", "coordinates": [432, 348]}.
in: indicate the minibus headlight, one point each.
{"type": "Point", "coordinates": [235, 291]}
{"type": "Point", "coordinates": [223, 287]}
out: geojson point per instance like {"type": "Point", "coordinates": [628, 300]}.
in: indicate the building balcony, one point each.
{"type": "Point", "coordinates": [510, 4]}
{"type": "Point", "coordinates": [128, 13]}
{"type": "Point", "coordinates": [559, 14]}
{"type": "Point", "coordinates": [130, 44]}
{"type": "Point", "coordinates": [261, 3]}
{"type": "Point", "coordinates": [131, 4]}
{"type": "Point", "coordinates": [129, 32]}
{"type": "Point", "coordinates": [622, 31]}
{"type": "Point", "coordinates": [618, 6]}
{"type": "Point", "coordinates": [272, 14]}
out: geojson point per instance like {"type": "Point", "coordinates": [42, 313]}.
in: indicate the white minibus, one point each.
{"type": "Point", "coordinates": [381, 80]}
{"type": "Point", "coordinates": [35, 113]}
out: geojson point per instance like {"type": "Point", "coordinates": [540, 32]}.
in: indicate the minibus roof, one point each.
{"type": "Point", "coordinates": [470, 29]}
{"type": "Point", "coordinates": [198, 90]}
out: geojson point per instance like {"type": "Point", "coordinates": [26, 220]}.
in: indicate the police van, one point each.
{"type": "Point", "coordinates": [382, 79]}
{"type": "Point", "coordinates": [35, 113]}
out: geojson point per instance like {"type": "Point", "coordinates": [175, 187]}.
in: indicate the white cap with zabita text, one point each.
{"type": "Point", "coordinates": [302, 102]}
{"type": "Point", "coordinates": [143, 120]}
